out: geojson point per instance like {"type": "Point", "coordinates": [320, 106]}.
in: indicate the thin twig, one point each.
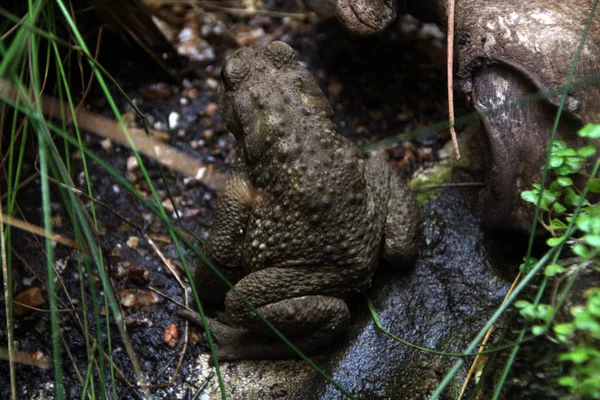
{"type": "Point", "coordinates": [450, 61]}
{"type": "Point", "coordinates": [38, 230]}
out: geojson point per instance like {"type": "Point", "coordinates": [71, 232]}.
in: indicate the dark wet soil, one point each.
{"type": "Point", "coordinates": [379, 87]}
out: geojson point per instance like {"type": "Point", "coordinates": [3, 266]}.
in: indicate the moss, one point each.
{"type": "Point", "coordinates": [441, 171]}
{"type": "Point", "coordinates": [435, 175]}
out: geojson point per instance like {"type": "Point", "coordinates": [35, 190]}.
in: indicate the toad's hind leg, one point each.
{"type": "Point", "coordinates": [308, 322]}
{"type": "Point", "coordinates": [305, 304]}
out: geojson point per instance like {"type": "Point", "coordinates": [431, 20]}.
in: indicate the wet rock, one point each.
{"type": "Point", "coordinates": [441, 303]}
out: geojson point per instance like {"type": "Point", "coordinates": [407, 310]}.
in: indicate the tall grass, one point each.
{"type": "Point", "coordinates": [32, 57]}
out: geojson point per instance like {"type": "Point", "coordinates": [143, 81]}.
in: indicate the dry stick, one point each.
{"type": "Point", "coordinates": [32, 359]}
{"type": "Point", "coordinates": [38, 230]}
{"type": "Point", "coordinates": [108, 128]}
{"type": "Point", "coordinates": [484, 342]}
{"type": "Point", "coordinates": [151, 147]}
{"type": "Point", "coordinates": [450, 59]}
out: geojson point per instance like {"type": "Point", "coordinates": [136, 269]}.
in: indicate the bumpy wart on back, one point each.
{"type": "Point", "coordinates": [305, 217]}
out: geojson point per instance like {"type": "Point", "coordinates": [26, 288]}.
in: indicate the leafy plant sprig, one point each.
{"type": "Point", "coordinates": [562, 195]}
{"type": "Point", "coordinates": [581, 335]}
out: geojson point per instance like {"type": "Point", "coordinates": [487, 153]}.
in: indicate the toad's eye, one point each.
{"type": "Point", "coordinates": [223, 77]}
{"type": "Point", "coordinates": [280, 54]}
{"type": "Point", "coordinates": [234, 73]}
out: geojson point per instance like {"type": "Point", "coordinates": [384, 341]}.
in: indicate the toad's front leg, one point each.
{"type": "Point", "coordinates": [223, 247]}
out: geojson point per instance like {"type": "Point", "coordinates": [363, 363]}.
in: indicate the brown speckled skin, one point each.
{"type": "Point", "coordinates": [305, 216]}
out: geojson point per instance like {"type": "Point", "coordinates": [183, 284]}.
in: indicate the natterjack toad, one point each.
{"type": "Point", "coordinates": [305, 218]}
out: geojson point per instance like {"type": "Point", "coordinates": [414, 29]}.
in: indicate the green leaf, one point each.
{"type": "Point", "coordinates": [564, 181]}
{"type": "Point", "coordinates": [564, 329]}
{"type": "Point", "coordinates": [587, 321]}
{"type": "Point", "coordinates": [589, 388]}
{"type": "Point", "coordinates": [578, 356]}
{"type": "Point", "coordinates": [592, 239]}
{"type": "Point", "coordinates": [559, 208]}
{"type": "Point", "coordinates": [594, 185]}
{"type": "Point", "coordinates": [576, 310]}
{"type": "Point", "coordinates": [566, 153]}
{"type": "Point", "coordinates": [574, 163]}
{"type": "Point", "coordinates": [584, 222]}
{"type": "Point", "coordinates": [555, 187]}
{"type": "Point", "coordinates": [594, 309]}
{"type": "Point", "coordinates": [554, 269]}
{"type": "Point", "coordinates": [529, 196]}
{"type": "Point", "coordinates": [558, 145]}
{"type": "Point", "coordinates": [527, 265]}
{"type": "Point", "coordinates": [573, 199]}
{"type": "Point", "coordinates": [555, 161]}
{"type": "Point", "coordinates": [555, 241]}
{"type": "Point", "coordinates": [549, 196]}
{"type": "Point", "coordinates": [564, 170]}
{"type": "Point", "coordinates": [557, 223]}
{"type": "Point", "coordinates": [544, 312]}
{"type": "Point", "coordinates": [527, 310]}
{"type": "Point", "coordinates": [587, 151]}
{"type": "Point", "coordinates": [569, 381]}
{"type": "Point", "coordinates": [522, 304]}
{"type": "Point", "coordinates": [592, 294]}
{"type": "Point", "coordinates": [538, 330]}
{"type": "Point", "coordinates": [591, 131]}
{"type": "Point", "coordinates": [583, 251]}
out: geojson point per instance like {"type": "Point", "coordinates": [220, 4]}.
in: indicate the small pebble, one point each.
{"type": "Point", "coordinates": [171, 336]}
{"type": "Point", "coordinates": [173, 120]}
{"type": "Point", "coordinates": [208, 134]}
{"type": "Point", "coordinates": [160, 126]}
{"type": "Point", "coordinates": [132, 163]}
{"type": "Point", "coordinates": [133, 241]}
{"type": "Point", "coordinates": [211, 109]}
{"type": "Point", "coordinates": [107, 145]}
{"type": "Point", "coordinates": [212, 83]}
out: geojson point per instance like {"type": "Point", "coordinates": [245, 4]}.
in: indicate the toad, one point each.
{"type": "Point", "coordinates": [305, 217]}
